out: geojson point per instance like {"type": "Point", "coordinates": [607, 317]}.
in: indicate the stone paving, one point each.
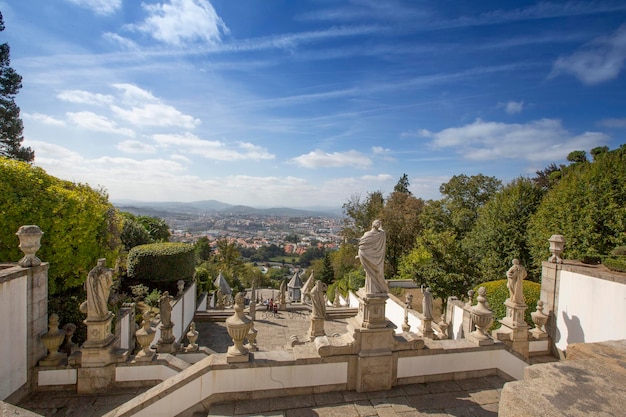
{"type": "Point", "coordinates": [476, 397]}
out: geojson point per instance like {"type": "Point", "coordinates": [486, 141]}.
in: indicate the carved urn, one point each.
{"type": "Point", "coordinates": [53, 339]}
{"type": "Point", "coordinates": [539, 317]}
{"type": "Point", "coordinates": [30, 238]}
{"type": "Point", "coordinates": [238, 326]}
{"type": "Point", "coordinates": [482, 316]}
{"type": "Point", "coordinates": [557, 244]}
{"type": "Point", "coordinates": [145, 336]}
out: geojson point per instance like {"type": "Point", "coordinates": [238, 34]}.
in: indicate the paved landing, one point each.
{"type": "Point", "coordinates": [476, 397]}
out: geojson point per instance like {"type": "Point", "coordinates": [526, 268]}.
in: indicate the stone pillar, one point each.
{"type": "Point", "coordinates": [317, 327]}
{"type": "Point", "coordinates": [514, 329]}
{"type": "Point", "coordinates": [167, 341]}
{"type": "Point", "coordinates": [427, 328]}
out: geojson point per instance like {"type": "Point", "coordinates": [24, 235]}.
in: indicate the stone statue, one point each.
{"type": "Point", "coordinates": [219, 300]}
{"type": "Point", "coordinates": [427, 304]}
{"type": "Point", "coordinates": [98, 288]}
{"type": "Point", "coordinates": [318, 300]}
{"type": "Point", "coordinates": [408, 301]}
{"type": "Point", "coordinates": [165, 309]}
{"type": "Point", "coordinates": [283, 292]}
{"type": "Point", "coordinates": [515, 276]}
{"type": "Point", "coordinates": [372, 257]}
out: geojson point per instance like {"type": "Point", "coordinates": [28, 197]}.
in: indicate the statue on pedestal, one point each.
{"type": "Point", "coordinates": [427, 304]}
{"type": "Point", "coordinates": [372, 256]}
{"type": "Point", "coordinates": [515, 276]}
{"type": "Point", "coordinates": [318, 300]}
{"type": "Point", "coordinates": [98, 287]}
{"type": "Point", "coordinates": [165, 309]}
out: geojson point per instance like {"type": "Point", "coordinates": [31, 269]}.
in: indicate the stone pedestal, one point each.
{"type": "Point", "coordinates": [427, 328]}
{"type": "Point", "coordinates": [317, 328]}
{"type": "Point", "coordinates": [167, 341]}
{"type": "Point", "coordinates": [371, 313]}
{"type": "Point", "coordinates": [99, 332]}
{"type": "Point", "coordinates": [514, 329]}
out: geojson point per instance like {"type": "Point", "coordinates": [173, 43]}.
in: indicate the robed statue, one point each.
{"type": "Point", "coordinates": [372, 256]}
{"type": "Point", "coordinates": [98, 287]}
{"type": "Point", "coordinates": [515, 277]}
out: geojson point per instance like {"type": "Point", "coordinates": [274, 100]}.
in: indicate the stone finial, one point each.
{"type": "Point", "coordinates": [482, 316]}
{"type": "Point", "coordinates": [557, 243]}
{"type": "Point", "coordinates": [238, 326]}
{"type": "Point", "coordinates": [539, 319]}
{"type": "Point", "coordinates": [144, 337]}
{"type": "Point", "coordinates": [470, 298]}
{"type": "Point", "coordinates": [52, 341]}
{"type": "Point", "coordinates": [408, 301]}
{"type": "Point", "coordinates": [192, 336]}
{"type": "Point", "coordinates": [30, 238]}
{"type": "Point", "coordinates": [181, 287]}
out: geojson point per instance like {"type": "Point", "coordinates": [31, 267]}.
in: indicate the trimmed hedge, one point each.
{"type": "Point", "coordinates": [162, 262]}
{"type": "Point", "coordinates": [617, 264]}
{"type": "Point", "coordinates": [497, 293]}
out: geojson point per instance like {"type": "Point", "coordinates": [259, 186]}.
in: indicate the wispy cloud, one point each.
{"type": "Point", "coordinates": [101, 7]}
{"type": "Point", "coordinates": [512, 107]}
{"type": "Point", "coordinates": [179, 22]}
{"type": "Point", "coordinates": [84, 97]}
{"type": "Point", "coordinates": [94, 122]}
{"type": "Point", "coordinates": [135, 147]}
{"type": "Point", "coordinates": [600, 60]}
{"type": "Point", "coordinates": [321, 159]}
{"type": "Point", "coordinates": [121, 41]}
{"type": "Point", "coordinates": [212, 149]}
{"type": "Point", "coordinates": [540, 140]}
{"type": "Point", "coordinates": [43, 118]}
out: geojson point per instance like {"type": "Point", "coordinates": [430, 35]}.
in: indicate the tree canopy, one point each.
{"type": "Point", "coordinates": [11, 126]}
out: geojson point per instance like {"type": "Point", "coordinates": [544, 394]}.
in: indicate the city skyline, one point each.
{"type": "Point", "coordinates": [300, 104]}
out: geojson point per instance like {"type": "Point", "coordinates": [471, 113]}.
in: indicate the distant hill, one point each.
{"type": "Point", "coordinates": [162, 209]}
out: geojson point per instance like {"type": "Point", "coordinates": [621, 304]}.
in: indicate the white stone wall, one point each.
{"type": "Point", "coordinates": [589, 309]}
{"type": "Point", "coordinates": [13, 340]}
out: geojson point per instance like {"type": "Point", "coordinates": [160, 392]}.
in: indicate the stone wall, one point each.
{"type": "Point", "coordinates": [24, 312]}
{"type": "Point", "coordinates": [585, 303]}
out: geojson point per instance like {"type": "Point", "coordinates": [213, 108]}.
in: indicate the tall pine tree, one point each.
{"type": "Point", "coordinates": [11, 126]}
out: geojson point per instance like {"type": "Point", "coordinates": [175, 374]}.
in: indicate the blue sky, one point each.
{"type": "Point", "coordinates": [306, 103]}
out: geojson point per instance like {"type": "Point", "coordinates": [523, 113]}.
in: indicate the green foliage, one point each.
{"type": "Point", "coordinates": [310, 255]}
{"type": "Point", "coordinates": [497, 293]}
{"type": "Point", "coordinates": [203, 250]}
{"type": "Point", "coordinates": [79, 224]}
{"type": "Point", "coordinates": [133, 233]}
{"type": "Point", "coordinates": [599, 150]}
{"type": "Point", "coordinates": [577, 157]}
{"type": "Point", "coordinates": [499, 234]}
{"type": "Point", "coordinates": [162, 262]}
{"type": "Point", "coordinates": [617, 264]}
{"type": "Point", "coordinates": [327, 274]}
{"type": "Point", "coordinates": [66, 305]}
{"type": "Point", "coordinates": [359, 215]}
{"type": "Point", "coordinates": [619, 251]}
{"type": "Point", "coordinates": [157, 228]}
{"type": "Point", "coordinates": [11, 126]}
{"type": "Point", "coordinates": [587, 207]}
{"type": "Point", "coordinates": [403, 185]}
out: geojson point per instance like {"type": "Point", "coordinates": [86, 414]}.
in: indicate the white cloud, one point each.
{"type": "Point", "coordinates": [600, 60]}
{"type": "Point", "coordinates": [91, 121]}
{"type": "Point", "coordinates": [120, 40]}
{"type": "Point", "coordinates": [321, 159]}
{"type": "Point", "coordinates": [182, 21]}
{"type": "Point", "coordinates": [512, 107]}
{"type": "Point", "coordinates": [147, 110]}
{"type": "Point", "coordinates": [102, 7]}
{"type": "Point", "coordinates": [383, 153]}
{"type": "Point", "coordinates": [191, 144]}
{"type": "Point", "coordinates": [84, 97]}
{"type": "Point", "coordinates": [135, 147]}
{"type": "Point", "coordinates": [539, 140]}
{"type": "Point", "coordinates": [43, 118]}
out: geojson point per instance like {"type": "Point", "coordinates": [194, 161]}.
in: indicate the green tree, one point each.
{"type": "Point", "coordinates": [599, 150]}
{"type": "Point", "coordinates": [157, 228]}
{"type": "Point", "coordinates": [587, 207]}
{"type": "Point", "coordinates": [133, 233]}
{"type": "Point", "coordinates": [11, 126]}
{"type": "Point", "coordinates": [548, 177]}
{"type": "Point", "coordinates": [203, 249]}
{"type": "Point", "coordinates": [327, 274]}
{"type": "Point", "coordinates": [499, 234]}
{"type": "Point", "coordinates": [403, 185]}
{"type": "Point", "coordinates": [577, 157]}
{"type": "Point", "coordinates": [359, 215]}
{"type": "Point", "coordinates": [228, 258]}
{"type": "Point", "coordinates": [80, 225]}
{"type": "Point", "coordinates": [401, 221]}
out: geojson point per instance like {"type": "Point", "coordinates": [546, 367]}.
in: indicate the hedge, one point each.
{"type": "Point", "coordinates": [162, 262]}
{"type": "Point", "coordinates": [497, 293]}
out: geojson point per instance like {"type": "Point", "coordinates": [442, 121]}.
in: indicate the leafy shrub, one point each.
{"type": "Point", "coordinates": [591, 259]}
{"type": "Point", "coordinates": [617, 264]}
{"type": "Point", "coordinates": [79, 224]}
{"type": "Point", "coordinates": [619, 251]}
{"type": "Point", "coordinates": [66, 305]}
{"type": "Point", "coordinates": [162, 262]}
{"type": "Point", "coordinates": [497, 293]}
